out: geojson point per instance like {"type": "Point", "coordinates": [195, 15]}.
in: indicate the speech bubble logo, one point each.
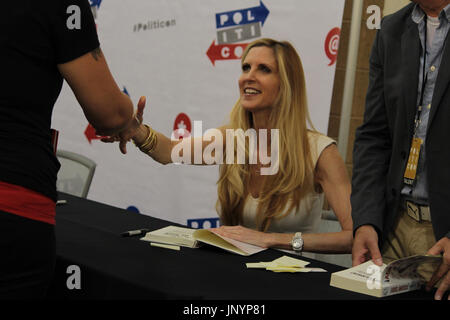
{"type": "Point", "coordinates": [182, 126]}
{"type": "Point", "coordinates": [332, 45]}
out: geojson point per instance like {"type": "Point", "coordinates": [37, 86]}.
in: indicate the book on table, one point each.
{"type": "Point", "coordinates": [193, 238]}
{"type": "Point", "coordinates": [173, 235]}
{"type": "Point", "coordinates": [396, 277]}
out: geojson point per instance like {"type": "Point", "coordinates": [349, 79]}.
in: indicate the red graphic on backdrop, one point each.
{"type": "Point", "coordinates": [182, 126]}
{"type": "Point", "coordinates": [332, 45]}
{"type": "Point", "coordinates": [225, 51]}
{"type": "Point", "coordinates": [91, 134]}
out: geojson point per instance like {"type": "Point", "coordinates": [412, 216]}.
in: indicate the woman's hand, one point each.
{"type": "Point", "coordinates": [243, 234]}
{"type": "Point", "coordinates": [135, 130]}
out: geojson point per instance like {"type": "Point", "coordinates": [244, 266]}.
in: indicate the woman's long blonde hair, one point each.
{"type": "Point", "coordinates": [295, 177]}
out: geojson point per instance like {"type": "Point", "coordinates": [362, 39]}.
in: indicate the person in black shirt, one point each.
{"type": "Point", "coordinates": [42, 43]}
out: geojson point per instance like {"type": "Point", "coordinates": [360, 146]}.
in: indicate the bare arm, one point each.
{"type": "Point", "coordinates": [104, 105]}
{"type": "Point", "coordinates": [332, 176]}
{"type": "Point", "coordinates": [165, 146]}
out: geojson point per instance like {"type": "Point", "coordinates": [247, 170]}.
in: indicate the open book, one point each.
{"type": "Point", "coordinates": [192, 238]}
{"type": "Point", "coordinates": [397, 277]}
{"type": "Point", "coordinates": [178, 236]}
{"type": "Point", "coordinates": [235, 246]}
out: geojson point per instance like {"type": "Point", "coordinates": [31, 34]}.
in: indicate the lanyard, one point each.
{"type": "Point", "coordinates": [424, 79]}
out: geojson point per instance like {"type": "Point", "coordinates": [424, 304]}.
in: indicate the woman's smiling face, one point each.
{"type": "Point", "coordinates": [259, 82]}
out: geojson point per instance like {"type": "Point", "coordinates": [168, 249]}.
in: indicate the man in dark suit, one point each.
{"type": "Point", "coordinates": [401, 175]}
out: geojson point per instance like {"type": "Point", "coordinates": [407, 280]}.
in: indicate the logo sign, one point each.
{"type": "Point", "coordinates": [237, 34]}
{"type": "Point", "coordinates": [234, 29]}
{"type": "Point", "coordinates": [332, 45]}
{"type": "Point", "coordinates": [225, 52]}
{"type": "Point", "coordinates": [182, 127]}
{"type": "Point", "coordinates": [242, 17]}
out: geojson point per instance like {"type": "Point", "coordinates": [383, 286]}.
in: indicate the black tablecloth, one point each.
{"type": "Point", "coordinates": [113, 267]}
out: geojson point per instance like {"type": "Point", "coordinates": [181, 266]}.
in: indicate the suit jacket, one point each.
{"type": "Point", "coordinates": [383, 141]}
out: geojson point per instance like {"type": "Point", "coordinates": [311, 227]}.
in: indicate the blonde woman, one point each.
{"type": "Point", "coordinates": [282, 210]}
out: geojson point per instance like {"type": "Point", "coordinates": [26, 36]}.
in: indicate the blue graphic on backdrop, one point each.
{"type": "Point", "coordinates": [133, 209]}
{"type": "Point", "coordinates": [95, 3]}
{"type": "Point", "coordinates": [95, 6]}
{"type": "Point", "coordinates": [242, 16]}
{"type": "Point", "coordinates": [203, 223]}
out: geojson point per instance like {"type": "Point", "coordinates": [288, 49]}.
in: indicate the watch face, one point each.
{"type": "Point", "coordinates": [297, 242]}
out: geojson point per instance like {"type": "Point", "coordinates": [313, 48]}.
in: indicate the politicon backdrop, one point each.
{"type": "Point", "coordinates": [183, 55]}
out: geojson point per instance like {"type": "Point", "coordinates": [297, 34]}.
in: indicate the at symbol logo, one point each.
{"type": "Point", "coordinates": [332, 45]}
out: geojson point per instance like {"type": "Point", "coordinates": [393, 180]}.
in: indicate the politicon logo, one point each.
{"type": "Point", "coordinates": [234, 30]}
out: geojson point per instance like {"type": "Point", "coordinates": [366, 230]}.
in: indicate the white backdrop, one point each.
{"type": "Point", "coordinates": [158, 49]}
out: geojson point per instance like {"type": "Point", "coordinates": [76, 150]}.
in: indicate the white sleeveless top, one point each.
{"type": "Point", "coordinates": [307, 218]}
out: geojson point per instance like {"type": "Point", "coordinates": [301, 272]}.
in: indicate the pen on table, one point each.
{"type": "Point", "coordinates": [137, 232]}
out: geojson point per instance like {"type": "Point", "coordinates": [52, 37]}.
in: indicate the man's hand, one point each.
{"type": "Point", "coordinates": [365, 246]}
{"type": "Point", "coordinates": [441, 247]}
{"type": "Point", "coordinates": [131, 130]}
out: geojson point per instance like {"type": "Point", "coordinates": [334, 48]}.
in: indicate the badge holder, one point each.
{"type": "Point", "coordinates": [409, 177]}
{"type": "Point", "coordinates": [411, 168]}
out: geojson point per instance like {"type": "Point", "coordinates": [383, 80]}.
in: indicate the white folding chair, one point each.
{"type": "Point", "coordinates": [75, 174]}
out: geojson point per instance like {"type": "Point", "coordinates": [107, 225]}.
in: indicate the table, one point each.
{"type": "Point", "coordinates": [113, 267]}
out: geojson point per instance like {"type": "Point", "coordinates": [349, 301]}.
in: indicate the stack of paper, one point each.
{"type": "Point", "coordinates": [284, 264]}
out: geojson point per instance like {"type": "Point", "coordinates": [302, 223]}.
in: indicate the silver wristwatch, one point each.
{"type": "Point", "coordinates": [297, 242]}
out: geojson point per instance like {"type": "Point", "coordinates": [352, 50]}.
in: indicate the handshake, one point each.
{"type": "Point", "coordinates": [135, 131]}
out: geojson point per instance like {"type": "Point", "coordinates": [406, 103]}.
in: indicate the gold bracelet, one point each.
{"type": "Point", "coordinates": [150, 141]}
{"type": "Point", "coordinates": [151, 145]}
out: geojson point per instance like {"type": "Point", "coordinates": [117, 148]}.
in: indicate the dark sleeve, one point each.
{"type": "Point", "coordinates": [74, 30]}
{"type": "Point", "coordinates": [372, 150]}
